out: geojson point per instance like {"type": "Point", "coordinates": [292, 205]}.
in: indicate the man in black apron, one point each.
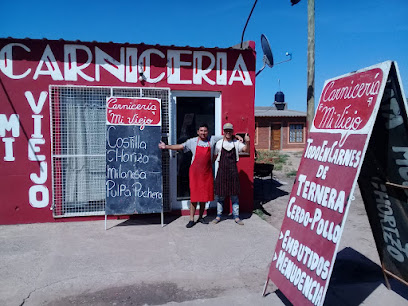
{"type": "Point", "coordinates": [227, 178]}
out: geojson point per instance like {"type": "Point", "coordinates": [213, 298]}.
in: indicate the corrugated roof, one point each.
{"type": "Point", "coordinates": [271, 111]}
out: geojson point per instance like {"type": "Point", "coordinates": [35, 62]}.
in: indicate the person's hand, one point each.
{"type": "Point", "coordinates": [239, 138]}
{"type": "Point", "coordinates": [246, 137]}
{"type": "Point", "coordinates": [162, 145]}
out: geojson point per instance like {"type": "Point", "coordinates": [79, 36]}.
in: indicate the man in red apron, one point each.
{"type": "Point", "coordinates": [200, 173]}
{"type": "Point", "coordinates": [227, 179]}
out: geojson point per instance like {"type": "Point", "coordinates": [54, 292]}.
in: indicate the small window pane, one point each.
{"type": "Point", "coordinates": [296, 133]}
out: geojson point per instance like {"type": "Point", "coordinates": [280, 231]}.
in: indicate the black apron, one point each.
{"type": "Point", "coordinates": [227, 180]}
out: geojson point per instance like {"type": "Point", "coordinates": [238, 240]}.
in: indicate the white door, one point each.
{"type": "Point", "coordinates": [188, 110]}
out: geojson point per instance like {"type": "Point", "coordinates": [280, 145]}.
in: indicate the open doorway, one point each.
{"type": "Point", "coordinates": [191, 113]}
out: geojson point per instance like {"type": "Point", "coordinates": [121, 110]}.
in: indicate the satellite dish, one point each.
{"type": "Point", "coordinates": [268, 56]}
{"type": "Point", "coordinates": [266, 48]}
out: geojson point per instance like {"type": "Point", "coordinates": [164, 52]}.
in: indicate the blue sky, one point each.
{"type": "Point", "coordinates": [349, 34]}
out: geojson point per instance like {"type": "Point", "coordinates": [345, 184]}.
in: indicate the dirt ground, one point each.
{"type": "Point", "coordinates": [357, 250]}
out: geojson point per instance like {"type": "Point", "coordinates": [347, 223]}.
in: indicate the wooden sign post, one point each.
{"type": "Point", "coordinates": [349, 108]}
{"type": "Point", "coordinates": [133, 159]}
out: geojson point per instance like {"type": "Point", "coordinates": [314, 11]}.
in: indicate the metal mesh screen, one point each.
{"type": "Point", "coordinates": [78, 146]}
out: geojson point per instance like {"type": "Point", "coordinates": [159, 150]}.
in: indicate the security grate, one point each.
{"type": "Point", "coordinates": [78, 146]}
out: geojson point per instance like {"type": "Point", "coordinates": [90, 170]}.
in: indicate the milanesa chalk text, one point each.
{"type": "Point", "coordinates": [126, 180]}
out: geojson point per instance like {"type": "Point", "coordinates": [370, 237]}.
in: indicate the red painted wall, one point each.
{"type": "Point", "coordinates": [29, 67]}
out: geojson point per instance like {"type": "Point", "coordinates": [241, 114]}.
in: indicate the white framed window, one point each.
{"type": "Point", "coordinates": [296, 133]}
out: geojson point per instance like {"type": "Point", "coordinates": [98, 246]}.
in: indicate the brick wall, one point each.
{"type": "Point", "coordinates": [263, 132]}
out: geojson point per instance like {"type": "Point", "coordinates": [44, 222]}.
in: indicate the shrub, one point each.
{"type": "Point", "coordinates": [271, 157]}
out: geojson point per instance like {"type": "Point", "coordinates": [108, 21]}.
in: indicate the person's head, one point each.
{"type": "Point", "coordinates": [202, 131]}
{"type": "Point", "coordinates": [228, 131]}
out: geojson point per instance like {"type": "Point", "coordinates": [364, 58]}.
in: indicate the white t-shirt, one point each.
{"type": "Point", "coordinates": [228, 145]}
{"type": "Point", "coordinates": [191, 144]}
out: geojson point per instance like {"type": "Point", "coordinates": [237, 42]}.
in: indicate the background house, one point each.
{"type": "Point", "coordinates": [278, 128]}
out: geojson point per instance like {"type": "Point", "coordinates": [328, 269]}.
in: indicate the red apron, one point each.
{"type": "Point", "coordinates": [201, 176]}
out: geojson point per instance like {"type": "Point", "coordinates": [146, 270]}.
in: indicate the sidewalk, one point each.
{"type": "Point", "coordinates": [136, 262]}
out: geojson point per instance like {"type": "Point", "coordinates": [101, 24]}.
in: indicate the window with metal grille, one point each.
{"type": "Point", "coordinates": [78, 146]}
{"type": "Point", "coordinates": [295, 133]}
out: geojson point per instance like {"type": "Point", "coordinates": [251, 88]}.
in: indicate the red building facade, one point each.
{"type": "Point", "coordinates": [52, 110]}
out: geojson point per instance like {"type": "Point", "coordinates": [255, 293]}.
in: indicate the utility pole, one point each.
{"type": "Point", "coordinates": [310, 62]}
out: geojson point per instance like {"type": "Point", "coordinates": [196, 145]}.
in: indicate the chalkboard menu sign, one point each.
{"type": "Point", "coordinates": [133, 159]}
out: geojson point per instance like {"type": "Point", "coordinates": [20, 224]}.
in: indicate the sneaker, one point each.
{"type": "Point", "coordinates": [190, 224]}
{"type": "Point", "coordinates": [216, 220]}
{"type": "Point", "coordinates": [202, 220]}
{"type": "Point", "coordinates": [239, 221]}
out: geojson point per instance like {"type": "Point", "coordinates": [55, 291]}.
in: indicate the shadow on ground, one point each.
{"type": "Point", "coordinates": [142, 294]}
{"type": "Point", "coordinates": [355, 277]}
{"type": "Point", "coordinates": [143, 219]}
{"type": "Point", "coordinates": [265, 190]}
